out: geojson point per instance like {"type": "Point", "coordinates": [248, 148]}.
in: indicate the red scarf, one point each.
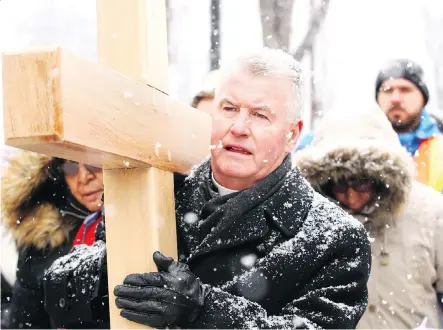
{"type": "Point", "coordinates": [86, 233]}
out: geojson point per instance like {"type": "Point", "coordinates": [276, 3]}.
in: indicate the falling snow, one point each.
{"type": "Point", "coordinates": [190, 218]}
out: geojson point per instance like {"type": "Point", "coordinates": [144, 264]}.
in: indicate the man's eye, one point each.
{"type": "Point", "coordinates": [259, 115]}
{"type": "Point", "coordinates": [228, 109]}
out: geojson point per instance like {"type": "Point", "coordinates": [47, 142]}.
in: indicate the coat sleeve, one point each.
{"type": "Point", "coordinates": [334, 298]}
{"type": "Point", "coordinates": [78, 278]}
{"type": "Point", "coordinates": [27, 307]}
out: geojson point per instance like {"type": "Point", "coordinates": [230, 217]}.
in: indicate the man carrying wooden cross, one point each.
{"type": "Point", "coordinates": [258, 248]}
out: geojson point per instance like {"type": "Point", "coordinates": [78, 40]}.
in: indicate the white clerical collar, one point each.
{"type": "Point", "coordinates": [222, 190]}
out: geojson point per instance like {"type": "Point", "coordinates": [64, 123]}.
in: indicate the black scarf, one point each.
{"type": "Point", "coordinates": [216, 214]}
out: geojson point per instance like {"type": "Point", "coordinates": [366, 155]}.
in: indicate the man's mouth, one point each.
{"type": "Point", "coordinates": [396, 109]}
{"type": "Point", "coordinates": [238, 149]}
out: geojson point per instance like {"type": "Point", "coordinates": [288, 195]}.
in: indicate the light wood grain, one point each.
{"type": "Point", "coordinates": [134, 30]}
{"type": "Point", "coordinates": [140, 219]}
{"type": "Point", "coordinates": [31, 95]}
{"type": "Point", "coordinates": [55, 101]}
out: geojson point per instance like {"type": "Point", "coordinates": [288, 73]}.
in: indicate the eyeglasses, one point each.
{"type": "Point", "coordinates": [71, 168]}
{"type": "Point", "coordinates": [361, 186]}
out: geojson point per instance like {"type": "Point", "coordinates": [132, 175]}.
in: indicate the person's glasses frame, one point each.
{"type": "Point", "coordinates": [71, 168]}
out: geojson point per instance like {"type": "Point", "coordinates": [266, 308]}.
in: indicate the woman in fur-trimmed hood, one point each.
{"type": "Point", "coordinates": [33, 202]}
{"type": "Point", "coordinates": [44, 204]}
{"type": "Point", "coordinates": [357, 161]}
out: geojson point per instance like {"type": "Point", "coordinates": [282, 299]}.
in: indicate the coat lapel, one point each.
{"type": "Point", "coordinates": [252, 226]}
{"type": "Point", "coordinates": [283, 203]}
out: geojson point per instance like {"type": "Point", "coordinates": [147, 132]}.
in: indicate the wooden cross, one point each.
{"type": "Point", "coordinates": [122, 121]}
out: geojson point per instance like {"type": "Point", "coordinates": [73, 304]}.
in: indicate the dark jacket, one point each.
{"type": "Point", "coordinates": [280, 255]}
{"type": "Point", "coordinates": [277, 255]}
{"type": "Point", "coordinates": [5, 302]}
{"type": "Point", "coordinates": [38, 210]}
{"type": "Point", "coordinates": [27, 306]}
{"type": "Point", "coordinates": [75, 286]}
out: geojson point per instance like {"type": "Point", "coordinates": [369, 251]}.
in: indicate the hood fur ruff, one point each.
{"type": "Point", "coordinates": [357, 148]}
{"type": "Point", "coordinates": [39, 225]}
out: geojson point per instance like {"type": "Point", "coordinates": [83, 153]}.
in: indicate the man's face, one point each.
{"type": "Point", "coordinates": [206, 104]}
{"type": "Point", "coordinates": [251, 130]}
{"type": "Point", "coordinates": [402, 102]}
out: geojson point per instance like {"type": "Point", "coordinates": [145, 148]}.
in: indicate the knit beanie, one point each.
{"type": "Point", "coordinates": [406, 69]}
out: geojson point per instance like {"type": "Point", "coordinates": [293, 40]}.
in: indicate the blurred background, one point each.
{"type": "Point", "coordinates": [341, 43]}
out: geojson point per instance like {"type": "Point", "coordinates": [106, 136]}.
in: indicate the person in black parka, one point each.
{"type": "Point", "coordinates": [45, 202]}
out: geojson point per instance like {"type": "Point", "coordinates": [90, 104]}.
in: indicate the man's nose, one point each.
{"type": "Point", "coordinates": [241, 124]}
{"type": "Point", "coordinates": [396, 97]}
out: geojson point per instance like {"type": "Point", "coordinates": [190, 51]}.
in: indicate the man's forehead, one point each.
{"type": "Point", "coordinates": [244, 101]}
{"type": "Point", "coordinates": [258, 90]}
{"type": "Point", "coordinates": [398, 82]}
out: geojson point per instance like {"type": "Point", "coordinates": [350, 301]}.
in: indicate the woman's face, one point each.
{"type": "Point", "coordinates": [354, 195]}
{"type": "Point", "coordinates": [85, 183]}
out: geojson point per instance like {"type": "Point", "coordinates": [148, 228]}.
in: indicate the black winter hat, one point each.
{"type": "Point", "coordinates": [406, 69]}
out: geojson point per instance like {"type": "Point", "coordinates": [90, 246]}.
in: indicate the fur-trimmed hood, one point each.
{"type": "Point", "coordinates": [31, 221]}
{"type": "Point", "coordinates": [360, 144]}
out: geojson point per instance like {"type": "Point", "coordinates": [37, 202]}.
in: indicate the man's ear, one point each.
{"type": "Point", "coordinates": [293, 135]}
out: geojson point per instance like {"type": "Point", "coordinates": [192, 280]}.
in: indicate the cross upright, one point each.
{"type": "Point", "coordinates": [116, 115]}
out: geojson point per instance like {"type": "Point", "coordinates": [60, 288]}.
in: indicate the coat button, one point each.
{"type": "Point", "coordinates": [372, 308]}
{"type": "Point", "coordinates": [62, 302]}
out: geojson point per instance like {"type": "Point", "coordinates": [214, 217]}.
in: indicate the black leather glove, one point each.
{"type": "Point", "coordinates": [172, 297]}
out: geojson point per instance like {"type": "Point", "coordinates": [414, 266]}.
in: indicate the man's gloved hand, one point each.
{"type": "Point", "coordinates": [172, 297]}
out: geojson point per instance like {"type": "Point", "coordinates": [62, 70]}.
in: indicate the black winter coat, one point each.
{"type": "Point", "coordinates": [27, 305]}
{"type": "Point", "coordinates": [43, 219]}
{"type": "Point", "coordinates": [75, 287]}
{"type": "Point", "coordinates": [277, 255]}
{"type": "Point", "coordinates": [6, 292]}
{"type": "Point", "coordinates": [61, 288]}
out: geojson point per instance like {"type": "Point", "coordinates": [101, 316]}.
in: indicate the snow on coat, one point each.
{"type": "Point", "coordinates": [277, 255]}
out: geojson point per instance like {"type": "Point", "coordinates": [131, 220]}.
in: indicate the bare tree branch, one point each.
{"type": "Point", "coordinates": [215, 35]}
{"type": "Point", "coordinates": [315, 23]}
{"type": "Point", "coordinates": [276, 22]}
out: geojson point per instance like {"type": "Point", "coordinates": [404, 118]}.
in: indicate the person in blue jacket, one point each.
{"type": "Point", "coordinates": [420, 124]}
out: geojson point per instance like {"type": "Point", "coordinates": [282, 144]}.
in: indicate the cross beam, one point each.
{"type": "Point", "coordinates": [68, 107]}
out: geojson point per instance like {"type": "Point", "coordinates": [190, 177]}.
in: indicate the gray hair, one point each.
{"type": "Point", "coordinates": [273, 63]}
